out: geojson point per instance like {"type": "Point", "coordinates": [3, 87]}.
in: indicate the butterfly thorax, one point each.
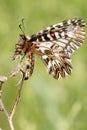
{"type": "Point", "coordinates": [25, 43]}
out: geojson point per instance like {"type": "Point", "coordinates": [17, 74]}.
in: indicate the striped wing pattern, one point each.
{"type": "Point", "coordinates": [56, 43]}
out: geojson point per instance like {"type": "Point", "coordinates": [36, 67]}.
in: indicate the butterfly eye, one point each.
{"type": "Point", "coordinates": [23, 37]}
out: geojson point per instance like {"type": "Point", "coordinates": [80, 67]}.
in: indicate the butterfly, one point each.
{"type": "Point", "coordinates": [54, 45]}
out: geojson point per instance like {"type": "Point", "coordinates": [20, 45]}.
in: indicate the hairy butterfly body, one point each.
{"type": "Point", "coordinates": [54, 45]}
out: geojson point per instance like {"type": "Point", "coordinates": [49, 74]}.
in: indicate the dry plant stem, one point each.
{"type": "Point", "coordinates": [16, 99]}
{"type": "Point", "coordinates": [8, 116]}
{"type": "Point", "coordinates": [2, 107]}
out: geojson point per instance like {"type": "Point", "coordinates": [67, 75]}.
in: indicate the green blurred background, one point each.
{"type": "Point", "coordinates": [45, 103]}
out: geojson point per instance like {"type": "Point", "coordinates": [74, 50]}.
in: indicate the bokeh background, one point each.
{"type": "Point", "coordinates": [45, 103]}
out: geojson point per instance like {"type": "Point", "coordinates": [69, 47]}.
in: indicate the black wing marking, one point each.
{"type": "Point", "coordinates": [69, 35]}
{"type": "Point", "coordinates": [57, 61]}
{"type": "Point", "coordinates": [56, 43]}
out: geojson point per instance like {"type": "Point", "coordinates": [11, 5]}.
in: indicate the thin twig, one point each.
{"type": "Point", "coordinates": [8, 116]}
{"type": "Point", "coordinates": [17, 98]}
{"type": "Point", "coordinates": [3, 109]}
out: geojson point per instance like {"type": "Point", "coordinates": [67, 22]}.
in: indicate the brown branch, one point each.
{"type": "Point", "coordinates": [8, 116]}
{"type": "Point", "coordinates": [17, 98]}
{"type": "Point", "coordinates": [2, 107]}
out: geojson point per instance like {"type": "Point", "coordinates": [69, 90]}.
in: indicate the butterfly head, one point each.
{"type": "Point", "coordinates": [22, 40]}
{"type": "Point", "coordinates": [22, 37]}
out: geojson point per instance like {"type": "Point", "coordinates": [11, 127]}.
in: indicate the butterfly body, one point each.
{"type": "Point", "coordinates": [54, 45]}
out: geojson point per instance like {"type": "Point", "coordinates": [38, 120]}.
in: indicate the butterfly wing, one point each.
{"type": "Point", "coordinates": [56, 43]}
{"type": "Point", "coordinates": [57, 61]}
{"type": "Point", "coordinates": [69, 34]}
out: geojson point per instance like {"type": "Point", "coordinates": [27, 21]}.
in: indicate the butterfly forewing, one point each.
{"type": "Point", "coordinates": [68, 34]}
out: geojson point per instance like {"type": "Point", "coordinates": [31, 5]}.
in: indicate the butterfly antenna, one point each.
{"type": "Point", "coordinates": [21, 26]}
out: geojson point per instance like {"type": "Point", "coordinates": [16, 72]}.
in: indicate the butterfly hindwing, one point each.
{"type": "Point", "coordinates": [57, 61]}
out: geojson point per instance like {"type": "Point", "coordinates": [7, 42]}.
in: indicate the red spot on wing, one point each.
{"type": "Point", "coordinates": [52, 34]}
